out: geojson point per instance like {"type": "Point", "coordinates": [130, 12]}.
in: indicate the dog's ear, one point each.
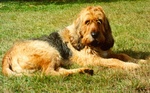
{"type": "Point", "coordinates": [77, 24]}
{"type": "Point", "coordinates": [109, 40]}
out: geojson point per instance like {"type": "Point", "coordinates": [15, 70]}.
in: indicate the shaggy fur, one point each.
{"type": "Point", "coordinates": [87, 42]}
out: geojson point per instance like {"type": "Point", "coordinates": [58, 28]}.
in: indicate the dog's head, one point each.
{"type": "Point", "coordinates": [92, 29]}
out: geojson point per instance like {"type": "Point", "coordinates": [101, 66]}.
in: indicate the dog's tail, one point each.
{"type": "Point", "coordinates": [6, 65]}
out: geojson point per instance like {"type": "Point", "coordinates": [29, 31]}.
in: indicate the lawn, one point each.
{"type": "Point", "coordinates": [130, 23]}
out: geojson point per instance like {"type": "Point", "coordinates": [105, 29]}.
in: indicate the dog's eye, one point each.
{"type": "Point", "coordinates": [87, 22]}
{"type": "Point", "coordinates": [99, 21]}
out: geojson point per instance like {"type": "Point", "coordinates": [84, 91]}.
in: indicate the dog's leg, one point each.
{"type": "Point", "coordinates": [126, 58]}
{"type": "Point", "coordinates": [66, 72]}
{"type": "Point", "coordinates": [115, 63]}
{"type": "Point", "coordinates": [54, 68]}
{"type": "Point", "coordinates": [121, 56]}
{"type": "Point", "coordinates": [108, 62]}
{"type": "Point", "coordinates": [73, 71]}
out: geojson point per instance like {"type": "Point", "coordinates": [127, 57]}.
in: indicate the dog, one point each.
{"type": "Point", "coordinates": [86, 42]}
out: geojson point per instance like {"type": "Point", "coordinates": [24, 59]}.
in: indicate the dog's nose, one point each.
{"type": "Point", "coordinates": [94, 34]}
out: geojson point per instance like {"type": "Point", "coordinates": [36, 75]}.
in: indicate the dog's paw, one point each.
{"type": "Point", "coordinates": [131, 66]}
{"type": "Point", "coordinates": [142, 61]}
{"type": "Point", "coordinates": [88, 71]}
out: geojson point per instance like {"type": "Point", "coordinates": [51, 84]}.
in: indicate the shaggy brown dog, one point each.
{"type": "Point", "coordinates": [86, 42]}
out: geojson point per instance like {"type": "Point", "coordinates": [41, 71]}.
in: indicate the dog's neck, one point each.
{"type": "Point", "coordinates": [67, 33]}
{"type": "Point", "coordinates": [64, 34]}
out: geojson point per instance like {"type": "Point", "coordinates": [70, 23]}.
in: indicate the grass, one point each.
{"type": "Point", "coordinates": [130, 23]}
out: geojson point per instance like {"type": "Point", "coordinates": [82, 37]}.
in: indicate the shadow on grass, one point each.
{"type": "Point", "coordinates": [134, 54]}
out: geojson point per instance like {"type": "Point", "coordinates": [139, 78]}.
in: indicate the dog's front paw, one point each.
{"type": "Point", "coordinates": [142, 61]}
{"type": "Point", "coordinates": [131, 66]}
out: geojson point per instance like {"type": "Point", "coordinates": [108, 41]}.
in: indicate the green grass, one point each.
{"type": "Point", "coordinates": [130, 23]}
